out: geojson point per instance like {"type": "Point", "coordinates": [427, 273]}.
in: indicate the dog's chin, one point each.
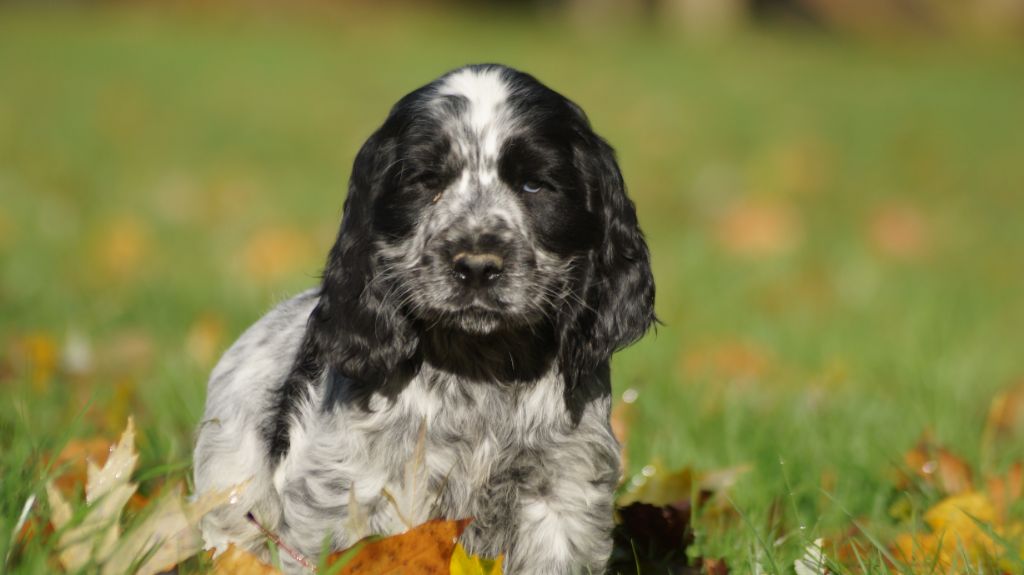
{"type": "Point", "coordinates": [477, 320]}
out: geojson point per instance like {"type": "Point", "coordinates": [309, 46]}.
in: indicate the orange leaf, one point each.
{"type": "Point", "coordinates": [758, 228]}
{"type": "Point", "coordinates": [205, 338]}
{"type": "Point", "coordinates": [900, 232]}
{"type": "Point", "coordinates": [72, 461]}
{"type": "Point", "coordinates": [1005, 491]}
{"type": "Point", "coordinates": [424, 550]}
{"type": "Point", "coordinates": [1006, 413]}
{"type": "Point", "coordinates": [939, 467]}
{"type": "Point", "coordinates": [235, 560]}
{"type": "Point", "coordinates": [272, 254]}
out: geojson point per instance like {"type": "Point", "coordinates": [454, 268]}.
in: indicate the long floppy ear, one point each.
{"type": "Point", "coordinates": [355, 334]}
{"type": "Point", "coordinates": [616, 284]}
{"type": "Point", "coordinates": [359, 334]}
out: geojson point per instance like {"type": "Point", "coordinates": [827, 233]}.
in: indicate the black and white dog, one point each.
{"type": "Point", "coordinates": [454, 361]}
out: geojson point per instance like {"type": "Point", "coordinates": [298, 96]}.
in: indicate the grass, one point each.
{"type": "Point", "coordinates": [144, 154]}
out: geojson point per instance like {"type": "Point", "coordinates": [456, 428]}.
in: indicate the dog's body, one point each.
{"type": "Point", "coordinates": [454, 363]}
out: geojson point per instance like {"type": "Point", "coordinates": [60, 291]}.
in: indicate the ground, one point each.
{"type": "Point", "coordinates": [835, 227]}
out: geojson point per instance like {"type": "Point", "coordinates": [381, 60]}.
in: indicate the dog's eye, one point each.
{"type": "Point", "coordinates": [532, 187]}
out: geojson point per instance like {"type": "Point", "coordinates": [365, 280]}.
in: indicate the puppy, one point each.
{"type": "Point", "coordinates": [454, 361]}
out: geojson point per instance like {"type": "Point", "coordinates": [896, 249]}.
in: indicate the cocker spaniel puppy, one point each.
{"type": "Point", "coordinates": [454, 360]}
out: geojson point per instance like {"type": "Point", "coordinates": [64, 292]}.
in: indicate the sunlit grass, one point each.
{"type": "Point", "coordinates": [145, 156]}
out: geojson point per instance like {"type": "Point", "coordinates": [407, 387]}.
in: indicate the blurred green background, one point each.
{"type": "Point", "coordinates": [832, 191]}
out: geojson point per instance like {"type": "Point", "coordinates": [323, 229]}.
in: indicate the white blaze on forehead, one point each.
{"type": "Point", "coordinates": [484, 89]}
{"type": "Point", "coordinates": [487, 116]}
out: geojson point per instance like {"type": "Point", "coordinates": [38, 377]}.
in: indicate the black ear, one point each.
{"type": "Point", "coordinates": [616, 284]}
{"type": "Point", "coordinates": [358, 332]}
{"type": "Point", "coordinates": [356, 335]}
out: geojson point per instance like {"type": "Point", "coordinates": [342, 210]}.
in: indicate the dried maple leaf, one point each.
{"type": "Point", "coordinates": [106, 492]}
{"type": "Point", "coordinates": [167, 536]}
{"type": "Point", "coordinates": [235, 560]}
{"type": "Point", "coordinates": [813, 561]}
{"type": "Point", "coordinates": [425, 550]}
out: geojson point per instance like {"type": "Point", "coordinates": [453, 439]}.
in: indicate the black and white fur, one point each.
{"type": "Point", "coordinates": [413, 385]}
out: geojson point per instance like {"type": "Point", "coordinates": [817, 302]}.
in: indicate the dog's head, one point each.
{"type": "Point", "coordinates": [485, 203]}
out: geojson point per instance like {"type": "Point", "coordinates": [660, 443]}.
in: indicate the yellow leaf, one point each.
{"type": "Point", "coordinates": [466, 564]}
{"type": "Point", "coordinates": [38, 352]}
{"type": "Point", "coordinates": [274, 253]}
{"type": "Point", "coordinates": [120, 247]}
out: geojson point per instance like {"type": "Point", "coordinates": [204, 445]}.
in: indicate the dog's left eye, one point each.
{"type": "Point", "coordinates": [532, 187]}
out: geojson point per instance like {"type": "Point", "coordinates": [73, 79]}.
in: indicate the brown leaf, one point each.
{"type": "Point", "coordinates": [714, 567]}
{"type": "Point", "coordinates": [899, 231]}
{"type": "Point", "coordinates": [235, 560]}
{"type": "Point", "coordinates": [727, 361]}
{"type": "Point", "coordinates": [938, 467]}
{"type": "Point", "coordinates": [1006, 413]}
{"type": "Point", "coordinates": [425, 550]}
{"type": "Point", "coordinates": [758, 228]}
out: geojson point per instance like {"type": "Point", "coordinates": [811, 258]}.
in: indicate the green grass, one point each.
{"type": "Point", "coordinates": [205, 128]}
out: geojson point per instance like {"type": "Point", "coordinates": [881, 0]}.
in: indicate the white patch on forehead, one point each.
{"type": "Point", "coordinates": [484, 89]}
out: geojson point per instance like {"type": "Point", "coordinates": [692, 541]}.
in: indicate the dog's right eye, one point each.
{"type": "Point", "coordinates": [532, 187]}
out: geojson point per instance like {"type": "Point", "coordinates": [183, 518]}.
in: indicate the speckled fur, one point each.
{"type": "Point", "coordinates": [382, 399]}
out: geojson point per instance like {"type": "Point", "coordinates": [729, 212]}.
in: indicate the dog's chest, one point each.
{"type": "Point", "coordinates": [437, 450]}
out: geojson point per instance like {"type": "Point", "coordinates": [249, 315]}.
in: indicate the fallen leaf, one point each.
{"type": "Point", "coordinates": [119, 247]}
{"type": "Point", "coordinates": [274, 253]}
{"type": "Point", "coordinates": [659, 487]}
{"type": "Point", "coordinates": [899, 231]}
{"type": "Point", "coordinates": [424, 550]}
{"type": "Point", "coordinates": [1006, 413]}
{"type": "Point", "coordinates": [235, 560]}
{"type": "Point", "coordinates": [71, 463]}
{"type": "Point", "coordinates": [938, 467]}
{"type": "Point", "coordinates": [813, 561]}
{"type": "Point", "coordinates": [714, 567]}
{"type": "Point", "coordinates": [38, 355]}
{"type": "Point", "coordinates": [957, 534]}
{"type": "Point", "coordinates": [205, 339]}
{"type": "Point", "coordinates": [106, 492]}
{"type": "Point", "coordinates": [169, 535]}
{"type": "Point", "coordinates": [758, 228]}
{"type": "Point", "coordinates": [466, 564]}
{"type": "Point", "coordinates": [727, 361]}
{"type": "Point", "coordinates": [1005, 491]}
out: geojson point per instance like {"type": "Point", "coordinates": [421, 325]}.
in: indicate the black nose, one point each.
{"type": "Point", "coordinates": [477, 270]}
